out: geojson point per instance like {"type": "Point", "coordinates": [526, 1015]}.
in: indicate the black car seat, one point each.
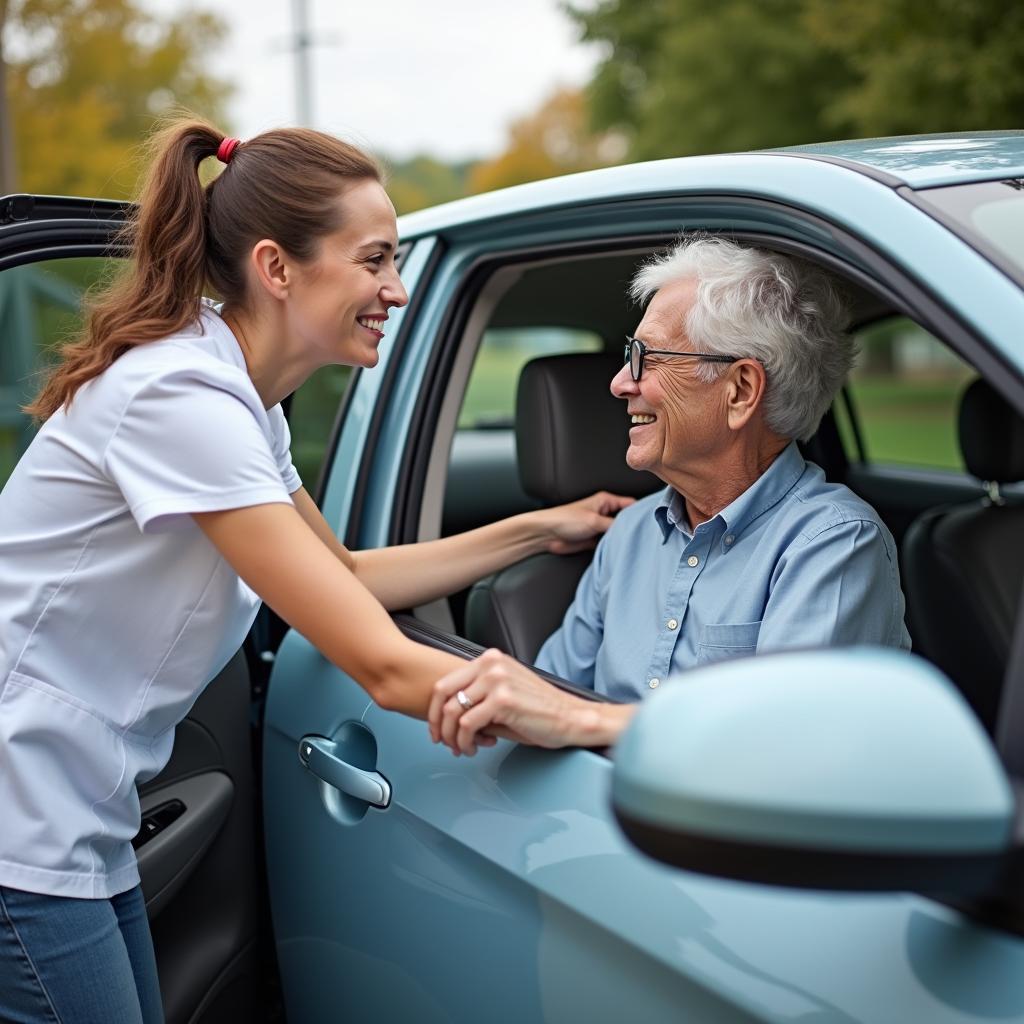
{"type": "Point", "coordinates": [963, 564]}
{"type": "Point", "coordinates": [571, 439]}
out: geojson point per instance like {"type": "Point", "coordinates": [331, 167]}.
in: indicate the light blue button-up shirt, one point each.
{"type": "Point", "coordinates": [794, 561]}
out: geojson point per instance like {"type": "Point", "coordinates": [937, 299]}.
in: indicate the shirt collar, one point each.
{"type": "Point", "coordinates": [764, 493]}
{"type": "Point", "coordinates": [670, 514]}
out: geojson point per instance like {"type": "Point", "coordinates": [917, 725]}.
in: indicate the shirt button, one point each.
{"type": "Point", "coordinates": [654, 684]}
{"type": "Point", "coordinates": [729, 538]}
{"type": "Point", "coordinates": [693, 561]}
{"type": "Point", "coordinates": [672, 624]}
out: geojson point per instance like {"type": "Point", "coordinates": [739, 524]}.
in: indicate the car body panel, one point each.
{"type": "Point", "coordinates": [499, 887]}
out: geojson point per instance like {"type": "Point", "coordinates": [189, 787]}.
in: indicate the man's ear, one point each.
{"type": "Point", "coordinates": [744, 391]}
{"type": "Point", "coordinates": [271, 268]}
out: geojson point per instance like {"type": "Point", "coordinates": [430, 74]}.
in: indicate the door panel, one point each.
{"type": "Point", "coordinates": [463, 898]}
{"type": "Point", "coordinates": [202, 886]}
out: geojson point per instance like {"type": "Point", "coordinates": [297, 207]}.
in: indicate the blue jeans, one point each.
{"type": "Point", "coordinates": [75, 961]}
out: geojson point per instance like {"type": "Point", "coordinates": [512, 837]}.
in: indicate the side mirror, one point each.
{"type": "Point", "coordinates": [861, 769]}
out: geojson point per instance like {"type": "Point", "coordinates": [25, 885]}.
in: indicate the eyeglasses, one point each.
{"type": "Point", "coordinates": [637, 351]}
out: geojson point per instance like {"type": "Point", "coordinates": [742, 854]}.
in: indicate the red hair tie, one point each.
{"type": "Point", "coordinates": [226, 149]}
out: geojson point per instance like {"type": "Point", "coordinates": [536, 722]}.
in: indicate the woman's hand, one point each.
{"type": "Point", "coordinates": [576, 526]}
{"type": "Point", "coordinates": [503, 697]}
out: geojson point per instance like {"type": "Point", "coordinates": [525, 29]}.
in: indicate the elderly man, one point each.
{"type": "Point", "coordinates": [748, 549]}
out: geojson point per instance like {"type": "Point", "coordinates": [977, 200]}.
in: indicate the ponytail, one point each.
{"type": "Point", "coordinates": [283, 184]}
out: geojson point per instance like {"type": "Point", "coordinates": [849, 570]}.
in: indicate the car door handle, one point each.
{"type": "Point", "coordinates": [318, 755]}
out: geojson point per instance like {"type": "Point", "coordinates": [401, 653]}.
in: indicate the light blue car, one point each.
{"type": "Point", "coordinates": [829, 836]}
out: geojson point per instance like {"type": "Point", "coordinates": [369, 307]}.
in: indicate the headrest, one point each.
{"type": "Point", "coordinates": [571, 432]}
{"type": "Point", "coordinates": [991, 435]}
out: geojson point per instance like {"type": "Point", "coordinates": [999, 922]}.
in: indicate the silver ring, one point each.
{"type": "Point", "coordinates": [464, 702]}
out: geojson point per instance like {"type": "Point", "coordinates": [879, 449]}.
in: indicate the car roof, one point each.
{"type": "Point", "coordinates": [924, 161]}
{"type": "Point", "coordinates": [920, 161]}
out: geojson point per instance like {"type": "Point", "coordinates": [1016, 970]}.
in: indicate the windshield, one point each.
{"type": "Point", "coordinates": [992, 212]}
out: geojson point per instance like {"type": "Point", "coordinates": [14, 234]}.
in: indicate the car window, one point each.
{"type": "Point", "coordinates": [40, 307]}
{"type": "Point", "coordinates": [904, 394]}
{"type": "Point", "coordinates": [490, 398]}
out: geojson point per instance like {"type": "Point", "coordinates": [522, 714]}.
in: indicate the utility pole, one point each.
{"type": "Point", "coordinates": [301, 43]}
{"type": "Point", "coordinates": [8, 176]}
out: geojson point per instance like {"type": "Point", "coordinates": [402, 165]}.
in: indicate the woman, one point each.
{"type": "Point", "coordinates": [159, 481]}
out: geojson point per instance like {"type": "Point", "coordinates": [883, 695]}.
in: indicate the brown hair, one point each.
{"type": "Point", "coordinates": [283, 185]}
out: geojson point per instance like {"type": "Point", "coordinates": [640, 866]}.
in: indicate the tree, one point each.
{"type": "Point", "coordinates": [946, 65]}
{"type": "Point", "coordinates": [556, 139]}
{"type": "Point", "coordinates": [86, 79]}
{"type": "Point", "coordinates": [687, 76]}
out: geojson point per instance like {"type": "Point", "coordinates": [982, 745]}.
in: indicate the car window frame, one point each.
{"type": "Point", "coordinates": [913, 299]}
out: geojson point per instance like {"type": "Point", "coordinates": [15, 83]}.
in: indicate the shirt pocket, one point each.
{"type": "Point", "coordinates": [721, 640]}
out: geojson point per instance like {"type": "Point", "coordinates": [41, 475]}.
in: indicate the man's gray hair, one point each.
{"type": "Point", "coordinates": [784, 312]}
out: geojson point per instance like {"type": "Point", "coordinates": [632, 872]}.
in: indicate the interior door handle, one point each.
{"type": "Point", "coordinates": [318, 755]}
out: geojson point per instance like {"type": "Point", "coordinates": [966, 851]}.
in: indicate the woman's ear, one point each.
{"type": "Point", "coordinates": [745, 391]}
{"type": "Point", "coordinates": [271, 268]}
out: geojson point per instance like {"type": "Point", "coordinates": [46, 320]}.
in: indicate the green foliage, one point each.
{"type": "Point", "coordinates": [87, 79]}
{"type": "Point", "coordinates": [425, 181]}
{"type": "Point", "coordinates": [946, 65]}
{"type": "Point", "coordinates": [687, 76]}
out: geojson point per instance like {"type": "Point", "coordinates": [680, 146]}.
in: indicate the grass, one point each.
{"type": "Point", "coordinates": [912, 421]}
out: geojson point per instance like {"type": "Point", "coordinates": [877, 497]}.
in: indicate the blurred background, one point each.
{"type": "Point", "coordinates": [465, 96]}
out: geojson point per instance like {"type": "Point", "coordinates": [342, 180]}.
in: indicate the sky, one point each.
{"type": "Point", "coordinates": [401, 76]}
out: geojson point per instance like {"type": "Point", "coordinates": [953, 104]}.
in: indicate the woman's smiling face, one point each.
{"type": "Point", "coordinates": [339, 302]}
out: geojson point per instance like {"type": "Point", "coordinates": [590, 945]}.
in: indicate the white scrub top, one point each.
{"type": "Point", "coordinates": [115, 609]}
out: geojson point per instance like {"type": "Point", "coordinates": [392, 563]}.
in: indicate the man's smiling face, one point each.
{"type": "Point", "coordinates": [677, 418]}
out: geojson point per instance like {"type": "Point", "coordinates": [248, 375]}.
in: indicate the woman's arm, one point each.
{"type": "Point", "coordinates": [314, 519]}
{"type": "Point", "coordinates": [287, 564]}
{"type": "Point", "coordinates": [412, 574]}
{"type": "Point", "coordinates": [277, 554]}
